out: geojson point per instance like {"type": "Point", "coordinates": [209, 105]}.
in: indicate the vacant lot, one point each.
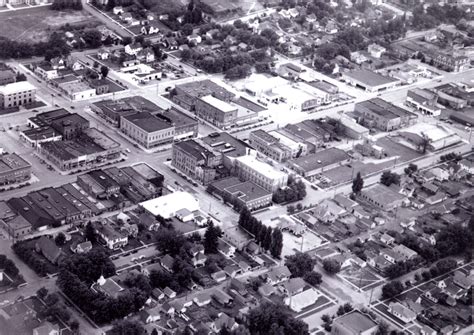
{"type": "Point", "coordinates": [35, 24]}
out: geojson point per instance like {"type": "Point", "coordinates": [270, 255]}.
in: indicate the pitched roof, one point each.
{"type": "Point", "coordinates": [48, 248]}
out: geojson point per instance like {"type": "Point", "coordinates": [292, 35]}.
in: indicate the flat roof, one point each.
{"type": "Point", "coordinates": [263, 168]}
{"type": "Point", "coordinates": [177, 118]}
{"type": "Point", "coordinates": [147, 122]}
{"type": "Point", "coordinates": [203, 88]}
{"type": "Point", "coordinates": [75, 87]}
{"type": "Point", "coordinates": [40, 133]}
{"type": "Point", "coordinates": [219, 104]}
{"type": "Point", "coordinates": [385, 108]}
{"type": "Point", "coordinates": [169, 204]}
{"type": "Point", "coordinates": [246, 191]}
{"type": "Point", "coordinates": [20, 86]}
{"type": "Point", "coordinates": [11, 162]}
{"type": "Point", "coordinates": [369, 78]}
{"type": "Point", "coordinates": [193, 148]}
{"type": "Point", "coordinates": [321, 159]}
{"type": "Point", "coordinates": [226, 144]}
{"type": "Point", "coordinates": [356, 321]}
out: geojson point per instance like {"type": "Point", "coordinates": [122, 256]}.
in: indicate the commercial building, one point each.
{"type": "Point", "coordinates": [369, 81]}
{"type": "Point", "coordinates": [90, 148]}
{"type": "Point", "coordinates": [147, 129]}
{"type": "Point", "coordinates": [241, 194]}
{"type": "Point", "coordinates": [184, 126]}
{"type": "Point", "coordinates": [269, 145]}
{"type": "Point", "coordinates": [77, 90]}
{"type": "Point", "coordinates": [226, 147]}
{"type": "Point", "coordinates": [299, 99]}
{"type": "Point", "coordinates": [438, 136]}
{"type": "Point", "coordinates": [217, 112]}
{"type": "Point", "coordinates": [170, 205]}
{"type": "Point", "coordinates": [380, 114]}
{"type": "Point", "coordinates": [313, 164]}
{"type": "Point", "coordinates": [383, 197]}
{"type": "Point", "coordinates": [195, 161]}
{"type": "Point", "coordinates": [37, 136]}
{"type": "Point", "coordinates": [70, 126]}
{"type": "Point", "coordinates": [424, 101]}
{"type": "Point", "coordinates": [112, 110]}
{"type": "Point", "coordinates": [354, 323]}
{"type": "Point", "coordinates": [46, 118]}
{"type": "Point", "coordinates": [17, 94]}
{"type": "Point", "coordinates": [451, 63]}
{"type": "Point", "coordinates": [454, 96]}
{"type": "Point", "coordinates": [187, 94]}
{"type": "Point", "coordinates": [248, 168]}
{"type": "Point", "coordinates": [16, 227]}
{"type": "Point", "coordinates": [13, 169]}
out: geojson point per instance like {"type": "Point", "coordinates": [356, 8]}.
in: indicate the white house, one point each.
{"type": "Point", "coordinates": [118, 10]}
{"type": "Point", "coordinates": [403, 313]}
{"type": "Point", "coordinates": [376, 50]}
{"type": "Point", "coordinates": [133, 49]}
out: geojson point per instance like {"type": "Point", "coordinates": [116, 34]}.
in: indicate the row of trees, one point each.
{"type": "Point", "coordinates": [66, 4]}
{"type": "Point", "coordinates": [30, 257]}
{"type": "Point", "coordinates": [302, 265]}
{"type": "Point", "coordinates": [268, 238]}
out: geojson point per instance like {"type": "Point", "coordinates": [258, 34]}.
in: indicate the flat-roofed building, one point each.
{"type": "Point", "coordinates": [313, 164]}
{"type": "Point", "coordinates": [187, 94]}
{"type": "Point", "coordinates": [36, 136]}
{"type": "Point", "coordinates": [226, 147]}
{"type": "Point", "coordinates": [241, 194]}
{"type": "Point", "coordinates": [369, 81]}
{"type": "Point", "coordinates": [46, 118]}
{"type": "Point", "coordinates": [438, 135]}
{"type": "Point", "coordinates": [264, 175]}
{"type": "Point", "coordinates": [217, 112]}
{"type": "Point", "coordinates": [184, 125]}
{"type": "Point", "coordinates": [77, 90]}
{"type": "Point", "coordinates": [171, 204]}
{"type": "Point", "coordinates": [147, 129]}
{"type": "Point", "coordinates": [13, 169]}
{"type": "Point", "coordinates": [112, 110]}
{"type": "Point", "coordinates": [269, 145]}
{"type": "Point", "coordinates": [17, 94]}
{"type": "Point", "coordinates": [383, 115]}
{"type": "Point", "coordinates": [195, 161]}
{"type": "Point", "coordinates": [70, 126]}
{"type": "Point", "coordinates": [354, 323]}
{"type": "Point", "coordinates": [16, 227]}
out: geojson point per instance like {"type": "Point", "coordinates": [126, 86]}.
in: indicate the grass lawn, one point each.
{"type": "Point", "coordinates": [35, 24]}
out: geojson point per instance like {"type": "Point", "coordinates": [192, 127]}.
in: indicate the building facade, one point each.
{"type": "Point", "coordinates": [17, 94]}
{"type": "Point", "coordinates": [146, 129]}
{"type": "Point", "coordinates": [248, 168]}
{"type": "Point", "coordinates": [13, 169]}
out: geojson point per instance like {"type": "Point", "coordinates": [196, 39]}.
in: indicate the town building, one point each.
{"type": "Point", "coordinates": [313, 164]}
{"type": "Point", "coordinates": [383, 197]}
{"type": "Point", "coordinates": [13, 169]}
{"type": "Point", "coordinates": [383, 115]}
{"type": "Point", "coordinates": [195, 161]}
{"type": "Point", "coordinates": [147, 129]}
{"type": "Point", "coordinates": [218, 112]}
{"type": "Point", "coordinates": [424, 101]}
{"type": "Point", "coordinates": [249, 168]}
{"type": "Point", "coordinates": [17, 94]}
{"type": "Point", "coordinates": [112, 238]}
{"type": "Point", "coordinates": [435, 136]}
{"type": "Point", "coordinates": [241, 194]}
{"type": "Point", "coordinates": [354, 323]}
{"type": "Point", "coordinates": [369, 81]}
{"type": "Point", "coordinates": [16, 227]}
{"type": "Point", "coordinates": [170, 205]}
{"type": "Point", "coordinates": [269, 145]}
{"type": "Point", "coordinates": [186, 95]}
{"type": "Point", "coordinates": [451, 62]}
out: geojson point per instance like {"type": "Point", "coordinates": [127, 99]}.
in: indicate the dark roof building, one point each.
{"type": "Point", "coordinates": [354, 323]}
{"type": "Point", "coordinates": [313, 164]}
{"type": "Point", "coordinates": [369, 81]}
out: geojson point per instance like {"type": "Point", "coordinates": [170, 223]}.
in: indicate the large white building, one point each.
{"type": "Point", "coordinates": [17, 94]}
{"type": "Point", "coordinates": [170, 205]}
{"type": "Point", "coordinates": [260, 173]}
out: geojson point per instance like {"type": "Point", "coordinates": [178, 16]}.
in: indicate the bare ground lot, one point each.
{"type": "Point", "coordinates": [35, 24]}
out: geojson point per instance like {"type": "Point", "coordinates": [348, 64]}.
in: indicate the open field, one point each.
{"type": "Point", "coordinates": [35, 24]}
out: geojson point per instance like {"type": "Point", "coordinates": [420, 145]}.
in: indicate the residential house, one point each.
{"type": "Point", "coordinates": [169, 292]}
{"type": "Point", "coordinates": [219, 276]}
{"type": "Point", "coordinates": [81, 248]}
{"type": "Point", "coordinates": [403, 313]}
{"type": "Point", "coordinates": [48, 248]}
{"type": "Point", "coordinates": [150, 315]}
{"type": "Point", "coordinates": [112, 238]}
{"type": "Point", "coordinates": [277, 275]}
{"type": "Point", "coordinates": [202, 299]}
{"type": "Point", "coordinates": [223, 321]}
{"type": "Point", "coordinates": [302, 300]}
{"type": "Point", "coordinates": [354, 323]}
{"type": "Point", "coordinates": [293, 286]}
{"type": "Point", "coordinates": [133, 49]}
{"type": "Point", "coordinates": [167, 262]}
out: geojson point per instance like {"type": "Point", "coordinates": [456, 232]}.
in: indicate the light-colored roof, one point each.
{"type": "Point", "coordinates": [20, 86]}
{"type": "Point", "coordinates": [303, 299]}
{"type": "Point", "coordinates": [168, 205]}
{"type": "Point", "coordinates": [219, 104]}
{"type": "Point", "coordinates": [261, 167]}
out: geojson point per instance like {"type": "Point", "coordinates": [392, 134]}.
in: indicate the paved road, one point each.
{"type": "Point", "coordinates": [118, 29]}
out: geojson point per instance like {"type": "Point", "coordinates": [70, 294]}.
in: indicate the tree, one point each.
{"type": "Point", "coordinates": [169, 241]}
{"type": "Point", "coordinates": [127, 327]}
{"type": "Point", "coordinates": [344, 309]}
{"type": "Point", "coordinates": [42, 293]}
{"type": "Point", "coordinates": [271, 318]}
{"type": "Point", "coordinates": [90, 233]}
{"type": "Point", "coordinates": [277, 243]}
{"type": "Point", "coordinates": [154, 332]}
{"type": "Point", "coordinates": [211, 239]}
{"type": "Point", "coordinates": [331, 266]}
{"type": "Point", "coordinates": [357, 184]}
{"type": "Point", "coordinates": [388, 178]}
{"type": "Point", "coordinates": [299, 264]}
{"type": "Point", "coordinates": [313, 278]}
{"type": "Point", "coordinates": [383, 328]}
{"type": "Point", "coordinates": [392, 289]}
{"type": "Point", "coordinates": [267, 239]}
{"type": "Point", "coordinates": [424, 143]}
{"type": "Point", "coordinates": [104, 70]}
{"type": "Point", "coordinates": [60, 239]}
{"type": "Point", "coordinates": [93, 38]}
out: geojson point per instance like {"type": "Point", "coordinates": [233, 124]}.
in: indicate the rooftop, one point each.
{"type": "Point", "coordinates": [382, 193]}
{"type": "Point", "coordinates": [385, 109]}
{"type": "Point", "coordinates": [321, 159]}
{"type": "Point", "coordinates": [11, 162]}
{"type": "Point", "coordinates": [226, 144]}
{"type": "Point", "coordinates": [195, 149]}
{"type": "Point", "coordinates": [245, 191]}
{"type": "Point", "coordinates": [261, 167]}
{"type": "Point", "coordinates": [356, 321]}
{"type": "Point", "coordinates": [20, 86]}
{"type": "Point", "coordinates": [219, 104]}
{"type": "Point", "coordinates": [369, 78]}
{"type": "Point", "coordinates": [148, 122]}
